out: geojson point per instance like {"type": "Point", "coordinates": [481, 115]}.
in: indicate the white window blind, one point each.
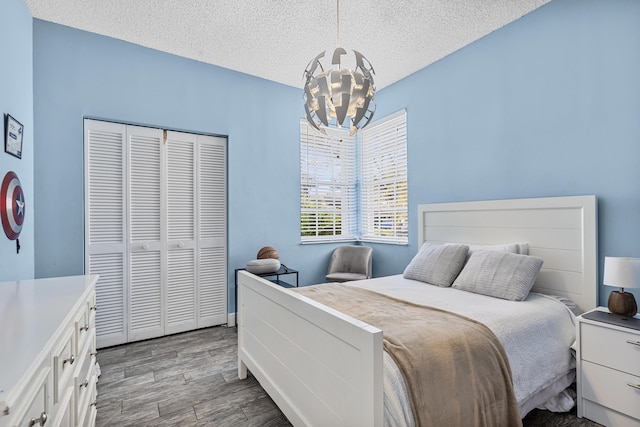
{"type": "Point", "coordinates": [383, 185]}
{"type": "Point", "coordinates": [327, 185]}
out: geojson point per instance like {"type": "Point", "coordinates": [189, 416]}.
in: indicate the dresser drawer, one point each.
{"type": "Point", "coordinates": [64, 413]}
{"type": "Point", "coordinates": [85, 320]}
{"type": "Point", "coordinates": [36, 411]}
{"type": "Point", "coordinates": [84, 380]}
{"type": "Point", "coordinates": [87, 407]}
{"type": "Point", "coordinates": [64, 361]}
{"type": "Point", "coordinates": [611, 388]}
{"type": "Point", "coordinates": [610, 347]}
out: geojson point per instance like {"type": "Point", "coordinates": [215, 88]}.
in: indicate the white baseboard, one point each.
{"type": "Point", "coordinates": [231, 320]}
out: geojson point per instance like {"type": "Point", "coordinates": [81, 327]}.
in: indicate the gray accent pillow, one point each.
{"type": "Point", "coordinates": [499, 274]}
{"type": "Point", "coordinates": [437, 264]}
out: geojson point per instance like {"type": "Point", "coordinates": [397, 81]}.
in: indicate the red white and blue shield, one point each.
{"type": "Point", "coordinates": [11, 205]}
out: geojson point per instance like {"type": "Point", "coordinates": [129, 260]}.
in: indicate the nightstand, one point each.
{"type": "Point", "coordinates": [608, 368]}
{"type": "Point", "coordinates": [284, 270]}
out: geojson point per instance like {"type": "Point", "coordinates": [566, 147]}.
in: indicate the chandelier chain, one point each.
{"type": "Point", "coordinates": [338, 23]}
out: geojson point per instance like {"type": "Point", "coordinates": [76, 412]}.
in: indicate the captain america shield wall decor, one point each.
{"type": "Point", "coordinates": [12, 205]}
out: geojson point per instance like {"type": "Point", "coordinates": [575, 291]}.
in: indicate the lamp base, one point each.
{"type": "Point", "coordinates": [622, 303]}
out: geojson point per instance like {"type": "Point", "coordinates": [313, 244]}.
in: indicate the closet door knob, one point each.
{"type": "Point", "coordinates": [40, 420]}
{"type": "Point", "coordinates": [181, 245]}
{"type": "Point", "coordinates": [145, 246]}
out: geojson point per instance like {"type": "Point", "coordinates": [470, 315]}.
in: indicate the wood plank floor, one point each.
{"type": "Point", "coordinates": [190, 379]}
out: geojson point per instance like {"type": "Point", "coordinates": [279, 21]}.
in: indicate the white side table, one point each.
{"type": "Point", "coordinates": [608, 368]}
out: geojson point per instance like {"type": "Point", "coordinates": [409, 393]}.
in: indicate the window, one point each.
{"type": "Point", "coordinates": [383, 180]}
{"type": "Point", "coordinates": [341, 201]}
{"type": "Point", "coordinates": [327, 185]}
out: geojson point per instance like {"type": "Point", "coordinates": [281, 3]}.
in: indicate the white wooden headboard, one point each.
{"type": "Point", "coordinates": [560, 230]}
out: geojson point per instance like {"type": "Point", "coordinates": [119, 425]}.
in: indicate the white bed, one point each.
{"type": "Point", "coordinates": [322, 367]}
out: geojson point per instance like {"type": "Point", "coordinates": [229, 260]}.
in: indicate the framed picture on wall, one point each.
{"type": "Point", "coordinates": [13, 136]}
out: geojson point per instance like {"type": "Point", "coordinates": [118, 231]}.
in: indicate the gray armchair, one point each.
{"type": "Point", "coordinates": [350, 263]}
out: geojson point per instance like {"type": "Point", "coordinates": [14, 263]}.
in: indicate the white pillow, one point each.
{"type": "Point", "coordinates": [262, 266]}
{"type": "Point", "coordinates": [499, 274]}
{"type": "Point", "coordinates": [514, 248]}
{"type": "Point", "coordinates": [437, 264]}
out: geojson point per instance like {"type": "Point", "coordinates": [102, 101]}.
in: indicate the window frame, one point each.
{"type": "Point", "coordinates": [347, 189]}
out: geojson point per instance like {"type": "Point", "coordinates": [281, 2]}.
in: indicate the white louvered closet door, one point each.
{"type": "Point", "coordinates": [105, 226]}
{"type": "Point", "coordinates": [146, 223]}
{"type": "Point", "coordinates": [212, 229]}
{"type": "Point", "coordinates": [182, 280]}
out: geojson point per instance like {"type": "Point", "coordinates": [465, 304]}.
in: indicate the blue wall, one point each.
{"type": "Point", "coordinates": [16, 99]}
{"type": "Point", "coordinates": [546, 106]}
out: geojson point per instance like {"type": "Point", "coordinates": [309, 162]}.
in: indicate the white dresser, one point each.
{"type": "Point", "coordinates": [608, 365]}
{"type": "Point", "coordinates": [48, 352]}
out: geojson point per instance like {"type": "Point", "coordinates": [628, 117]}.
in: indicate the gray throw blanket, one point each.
{"type": "Point", "coordinates": [456, 370]}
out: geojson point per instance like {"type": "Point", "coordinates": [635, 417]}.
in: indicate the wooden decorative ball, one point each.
{"type": "Point", "coordinates": [622, 303]}
{"type": "Point", "coordinates": [268, 252]}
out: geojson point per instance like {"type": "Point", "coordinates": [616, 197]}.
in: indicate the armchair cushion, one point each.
{"type": "Point", "coordinates": [350, 262]}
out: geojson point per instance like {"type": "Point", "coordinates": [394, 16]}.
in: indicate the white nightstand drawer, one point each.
{"type": "Point", "coordinates": [611, 388]}
{"type": "Point", "coordinates": [610, 347]}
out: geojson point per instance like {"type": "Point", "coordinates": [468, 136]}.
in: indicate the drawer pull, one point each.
{"type": "Point", "coordinates": [84, 384]}
{"type": "Point", "coordinates": [94, 308]}
{"type": "Point", "coordinates": [69, 360]}
{"type": "Point", "coordinates": [40, 420]}
{"type": "Point", "coordinates": [94, 403]}
{"type": "Point", "coordinates": [84, 328]}
{"type": "Point", "coordinates": [634, 342]}
{"type": "Point", "coordinates": [636, 386]}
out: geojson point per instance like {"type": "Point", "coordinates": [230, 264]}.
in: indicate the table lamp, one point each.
{"type": "Point", "coordinates": [622, 273]}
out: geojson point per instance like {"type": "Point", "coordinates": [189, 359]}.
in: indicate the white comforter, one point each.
{"type": "Point", "coordinates": [536, 333]}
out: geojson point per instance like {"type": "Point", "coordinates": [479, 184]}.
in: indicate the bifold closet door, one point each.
{"type": "Point", "coordinates": [124, 230]}
{"type": "Point", "coordinates": [196, 231]}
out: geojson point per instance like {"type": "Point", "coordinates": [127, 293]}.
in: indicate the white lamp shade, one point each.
{"type": "Point", "coordinates": [622, 272]}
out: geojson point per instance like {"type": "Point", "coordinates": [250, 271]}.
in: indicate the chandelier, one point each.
{"type": "Point", "coordinates": [341, 94]}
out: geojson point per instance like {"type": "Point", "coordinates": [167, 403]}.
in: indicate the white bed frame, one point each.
{"type": "Point", "coordinates": [322, 367]}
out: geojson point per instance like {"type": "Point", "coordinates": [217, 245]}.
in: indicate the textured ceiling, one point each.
{"type": "Point", "coordinates": [276, 39]}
